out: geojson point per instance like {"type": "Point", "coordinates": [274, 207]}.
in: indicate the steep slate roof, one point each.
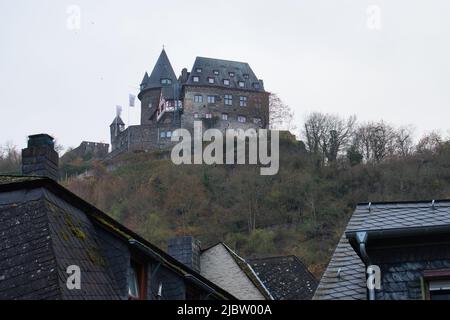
{"type": "Point", "coordinates": [386, 217]}
{"type": "Point", "coordinates": [117, 121]}
{"type": "Point", "coordinates": [287, 278]}
{"type": "Point", "coordinates": [40, 234]}
{"type": "Point", "coordinates": [162, 70]}
{"type": "Point", "coordinates": [224, 67]}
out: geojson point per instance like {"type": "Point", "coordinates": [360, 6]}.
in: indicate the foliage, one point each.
{"type": "Point", "coordinates": [302, 210]}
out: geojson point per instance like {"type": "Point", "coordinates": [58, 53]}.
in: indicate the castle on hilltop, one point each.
{"type": "Point", "coordinates": [222, 94]}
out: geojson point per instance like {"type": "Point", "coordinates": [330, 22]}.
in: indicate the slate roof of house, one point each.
{"type": "Point", "coordinates": [287, 278]}
{"type": "Point", "coordinates": [241, 70]}
{"type": "Point", "coordinates": [380, 217]}
{"type": "Point", "coordinates": [40, 234]}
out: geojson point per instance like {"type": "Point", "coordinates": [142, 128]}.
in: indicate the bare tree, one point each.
{"type": "Point", "coordinates": [430, 142]}
{"type": "Point", "coordinates": [281, 116]}
{"type": "Point", "coordinates": [375, 140]}
{"type": "Point", "coordinates": [327, 135]}
{"type": "Point", "coordinates": [404, 141]}
{"type": "Point", "coordinates": [10, 158]}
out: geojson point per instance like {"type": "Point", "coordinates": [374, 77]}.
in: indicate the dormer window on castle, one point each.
{"type": "Point", "coordinates": [195, 79]}
{"type": "Point", "coordinates": [226, 82]}
{"type": "Point", "coordinates": [211, 80]}
{"type": "Point", "coordinates": [246, 76]}
{"type": "Point", "coordinates": [231, 74]}
{"type": "Point", "coordinates": [216, 72]}
{"type": "Point", "coordinates": [198, 70]}
{"type": "Point", "coordinates": [166, 82]}
{"type": "Point", "coordinates": [241, 84]}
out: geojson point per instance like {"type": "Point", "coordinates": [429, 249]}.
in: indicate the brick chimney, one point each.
{"type": "Point", "coordinates": [186, 250]}
{"type": "Point", "coordinates": [40, 157]}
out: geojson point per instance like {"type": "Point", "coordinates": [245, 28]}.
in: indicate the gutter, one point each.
{"type": "Point", "coordinates": [361, 239]}
{"type": "Point", "coordinates": [402, 232]}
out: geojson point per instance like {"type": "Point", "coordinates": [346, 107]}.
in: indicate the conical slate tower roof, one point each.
{"type": "Point", "coordinates": [162, 70]}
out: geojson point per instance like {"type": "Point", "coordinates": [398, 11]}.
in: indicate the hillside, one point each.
{"type": "Point", "coordinates": [302, 210]}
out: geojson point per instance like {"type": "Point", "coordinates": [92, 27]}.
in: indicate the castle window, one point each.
{"type": "Point", "coordinates": [231, 74]}
{"type": "Point", "coordinates": [226, 82]}
{"type": "Point", "coordinates": [242, 119]}
{"type": "Point", "coordinates": [198, 70]}
{"type": "Point", "coordinates": [246, 76]}
{"type": "Point", "coordinates": [211, 99]}
{"type": "Point", "coordinates": [198, 98]}
{"type": "Point", "coordinates": [169, 134]}
{"type": "Point", "coordinates": [241, 84]}
{"type": "Point", "coordinates": [256, 85]}
{"type": "Point", "coordinates": [208, 116]}
{"type": "Point", "coordinates": [196, 115]}
{"type": "Point", "coordinates": [224, 116]}
{"type": "Point", "coordinates": [228, 100]}
{"type": "Point", "coordinates": [243, 101]}
{"type": "Point", "coordinates": [211, 80]}
{"type": "Point", "coordinates": [257, 120]}
{"type": "Point", "coordinates": [166, 82]}
{"type": "Point", "coordinates": [150, 105]}
{"type": "Point", "coordinates": [195, 79]}
{"type": "Point", "coordinates": [162, 134]}
{"type": "Point", "coordinates": [216, 72]}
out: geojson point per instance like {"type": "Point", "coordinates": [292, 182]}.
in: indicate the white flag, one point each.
{"type": "Point", "coordinates": [118, 111]}
{"type": "Point", "coordinates": [132, 99]}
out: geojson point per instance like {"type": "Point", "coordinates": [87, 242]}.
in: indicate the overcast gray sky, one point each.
{"type": "Point", "coordinates": [317, 55]}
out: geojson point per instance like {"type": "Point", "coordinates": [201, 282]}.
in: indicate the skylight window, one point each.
{"type": "Point", "coordinates": [198, 70]}
{"type": "Point", "coordinates": [231, 74]}
{"type": "Point", "coordinates": [216, 72]}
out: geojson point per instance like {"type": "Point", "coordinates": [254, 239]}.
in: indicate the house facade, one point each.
{"type": "Point", "coordinates": [392, 251]}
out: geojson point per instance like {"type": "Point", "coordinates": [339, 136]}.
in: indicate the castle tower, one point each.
{"type": "Point", "coordinates": [162, 83]}
{"type": "Point", "coordinates": [116, 127]}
